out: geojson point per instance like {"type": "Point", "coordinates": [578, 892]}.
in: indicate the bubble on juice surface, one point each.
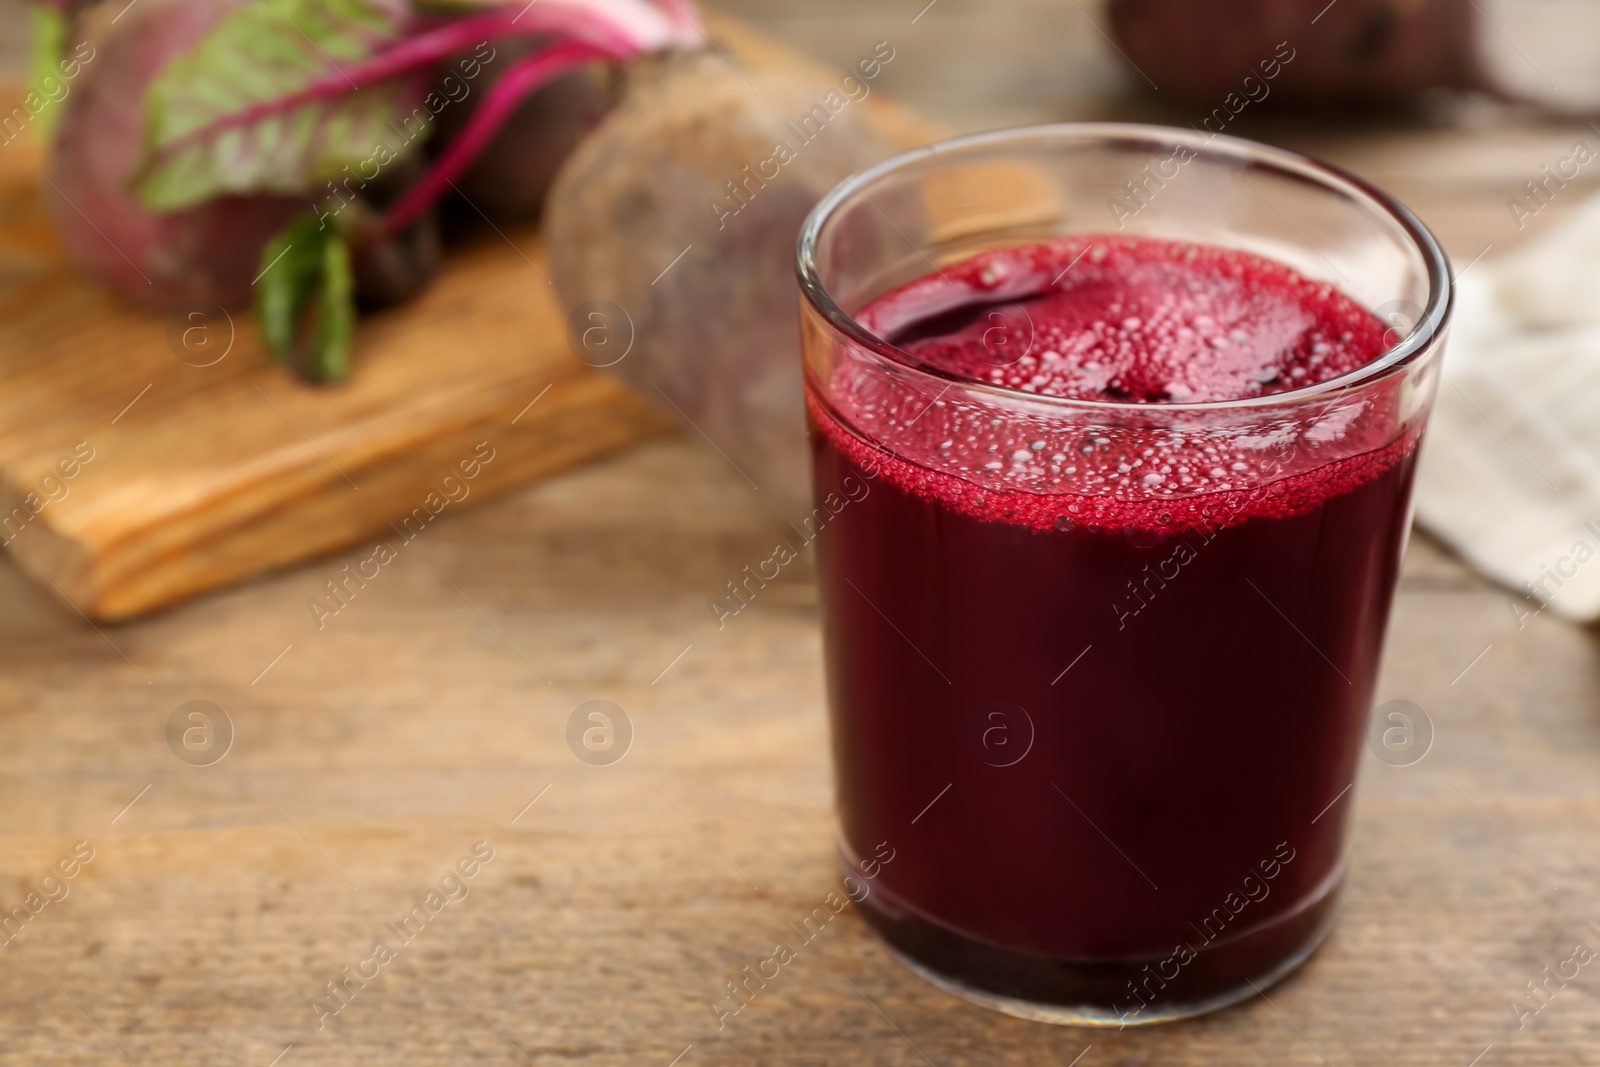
{"type": "Point", "coordinates": [1146, 321]}
{"type": "Point", "coordinates": [1137, 321]}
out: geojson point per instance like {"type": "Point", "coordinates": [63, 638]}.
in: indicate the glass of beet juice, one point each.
{"type": "Point", "coordinates": [1113, 432]}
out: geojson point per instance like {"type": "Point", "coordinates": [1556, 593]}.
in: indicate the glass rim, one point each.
{"type": "Point", "coordinates": [1430, 325]}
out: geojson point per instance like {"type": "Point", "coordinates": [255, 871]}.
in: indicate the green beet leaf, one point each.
{"type": "Point", "coordinates": [266, 102]}
{"type": "Point", "coordinates": [47, 62]}
{"type": "Point", "coordinates": [305, 299]}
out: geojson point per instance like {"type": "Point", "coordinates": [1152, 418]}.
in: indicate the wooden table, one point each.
{"type": "Point", "coordinates": [432, 713]}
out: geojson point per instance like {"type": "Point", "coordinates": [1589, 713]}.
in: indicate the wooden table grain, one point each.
{"type": "Point", "coordinates": [423, 732]}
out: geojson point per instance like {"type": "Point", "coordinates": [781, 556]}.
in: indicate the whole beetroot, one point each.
{"type": "Point", "coordinates": [671, 231]}
{"type": "Point", "coordinates": [208, 254]}
{"type": "Point", "coordinates": [1299, 51]}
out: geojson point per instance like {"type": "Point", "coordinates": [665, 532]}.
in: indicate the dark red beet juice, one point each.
{"type": "Point", "coordinates": [1102, 683]}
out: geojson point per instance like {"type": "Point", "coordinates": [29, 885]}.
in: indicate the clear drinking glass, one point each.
{"type": "Point", "coordinates": [1104, 729]}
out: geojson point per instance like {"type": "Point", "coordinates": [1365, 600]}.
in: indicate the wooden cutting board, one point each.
{"type": "Point", "coordinates": [131, 478]}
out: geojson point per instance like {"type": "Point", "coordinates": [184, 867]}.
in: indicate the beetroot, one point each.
{"type": "Point", "coordinates": [224, 149]}
{"type": "Point", "coordinates": [1351, 50]}
{"type": "Point", "coordinates": [675, 223]}
{"type": "Point", "coordinates": [512, 173]}
{"type": "Point", "coordinates": [208, 254]}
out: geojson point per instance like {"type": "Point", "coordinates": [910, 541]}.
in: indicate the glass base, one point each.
{"type": "Point", "coordinates": [1108, 993]}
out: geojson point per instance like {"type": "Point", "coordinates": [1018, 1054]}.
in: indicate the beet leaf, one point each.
{"type": "Point", "coordinates": [267, 101]}
{"type": "Point", "coordinates": [305, 299]}
{"type": "Point", "coordinates": [302, 97]}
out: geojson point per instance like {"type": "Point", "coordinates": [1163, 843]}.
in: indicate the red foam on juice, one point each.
{"type": "Point", "coordinates": [1130, 320]}
{"type": "Point", "coordinates": [1134, 321]}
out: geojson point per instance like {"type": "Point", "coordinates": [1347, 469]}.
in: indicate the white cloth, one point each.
{"type": "Point", "coordinates": [1510, 473]}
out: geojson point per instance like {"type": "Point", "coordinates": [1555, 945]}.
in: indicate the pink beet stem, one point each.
{"type": "Point", "coordinates": [604, 37]}
{"type": "Point", "coordinates": [526, 75]}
